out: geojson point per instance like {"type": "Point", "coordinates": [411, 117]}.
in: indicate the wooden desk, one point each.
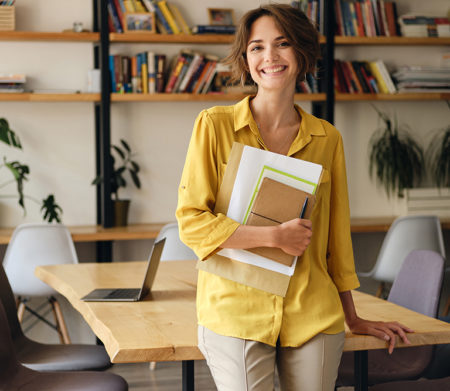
{"type": "Point", "coordinates": [164, 327]}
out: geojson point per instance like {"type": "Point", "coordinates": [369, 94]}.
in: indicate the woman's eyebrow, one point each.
{"type": "Point", "coordinates": [260, 40]}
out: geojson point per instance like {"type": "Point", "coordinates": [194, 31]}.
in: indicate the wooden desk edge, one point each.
{"type": "Point", "coordinates": [117, 355]}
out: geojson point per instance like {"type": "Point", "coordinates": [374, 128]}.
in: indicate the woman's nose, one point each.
{"type": "Point", "coordinates": [271, 54]}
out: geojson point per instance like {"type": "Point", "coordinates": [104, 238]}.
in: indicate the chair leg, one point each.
{"type": "Point", "coordinates": [60, 323]}
{"type": "Point", "coordinates": [447, 307]}
{"type": "Point", "coordinates": [380, 289]}
{"type": "Point", "coordinates": [152, 365]}
{"type": "Point", "coordinates": [20, 309]}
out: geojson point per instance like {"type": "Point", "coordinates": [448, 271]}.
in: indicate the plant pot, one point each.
{"type": "Point", "coordinates": [121, 212]}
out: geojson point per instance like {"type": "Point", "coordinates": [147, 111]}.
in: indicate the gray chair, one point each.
{"type": "Point", "coordinates": [48, 357]}
{"type": "Point", "coordinates": [406, 233]}
{"type": "Point", "coordinates": [16, 377]}
{"type": "Point", "coordinates": [417, 287]}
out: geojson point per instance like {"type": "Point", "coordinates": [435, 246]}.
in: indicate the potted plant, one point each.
{"type": "Point", "coordinates": [396, 159]}
{"type": "Point", "coordinates": [19, 174]}
{"type": "Point", "coordinates": [438, 157]}
{"type": "Point", "coordinates": [127, 164]}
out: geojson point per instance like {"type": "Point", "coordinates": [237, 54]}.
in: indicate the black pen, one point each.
{"type": "Point", "coordinates": [305, 204]}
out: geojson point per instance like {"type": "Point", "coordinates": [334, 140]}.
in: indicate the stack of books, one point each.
{"type": "Point", "coordinates": [189, 72]}
{"type": "Point", "coordinates": [368, 77]}
{"type": "Point", "coordinates": [413, 25]}
{"type": "Point", "coordinates": [12, 83]}
{"type": "Point", "coordinates": [194, 72]}
{"type": "Point", "coordinates": [142, 73]}
{"type": "Point", "coordinates": [366, 18]}
{"type": "Point", "coordinates": [169, 19]}
{"type": "Point", "coordinates": [423, 79]}
{"type": "Point", "coordinates": [313, 9]}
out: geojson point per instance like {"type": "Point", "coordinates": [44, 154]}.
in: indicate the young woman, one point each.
{"type": "Point", "coordinates": [244, 332]}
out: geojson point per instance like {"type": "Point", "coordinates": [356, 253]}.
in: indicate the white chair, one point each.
{"type": "Point", "coordinates": [33, 245]}
{"type": "Point", "coordinates": [174, 249]}
{"type": "Point", "coordinates": [406, 234]}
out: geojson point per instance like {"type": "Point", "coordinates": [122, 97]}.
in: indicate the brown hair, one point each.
{"type": "Point", "coordinates": [295, 27]}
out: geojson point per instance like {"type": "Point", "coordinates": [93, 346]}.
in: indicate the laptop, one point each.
{"type": "Point", "coordinates": [132, 294]}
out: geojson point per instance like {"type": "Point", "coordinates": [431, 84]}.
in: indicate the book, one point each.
{"type": "Point", "coordinates": [382, 86]}
{"type": "Point", "coordinates": [391, 18]}
{"type": "Point", "coordinates": [151, 72]}
{"type": "Point", "coordinates": [339, 20]}
{"type": "Point", "coordinates": [179, 18]}
{"type": "Point", "coordinates": [188, 58]}
{"type": "Point", "coordinates": [177, 66]}
{"type": "Point", "coordinates": [210, 29]}
{"type": "Point", "coordinates": [384, 18]}
{"type": "Point", "coordinates": [160, 61]}
{"type": "Point", "coordinates": [162, 4]}
{"type": "Point", "coordinates": [196, 61]}
{"type": "Point", "coordinates": [117, 26]}
{"type": "Point", "coordinates": [119, 12]}
{"type": "Point", "coordinates": [160, 17]}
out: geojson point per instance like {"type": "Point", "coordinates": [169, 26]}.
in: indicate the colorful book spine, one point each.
{"type": "Point", "coordinates": [162, 4]}
{"type": "Point", "coordinates": [178, 66]}
{"type": "Point", "coordinates": [112, 73]}
{"type": "Point", "coordinates": [160, 61]}
{"type": "Point", "coordinates": [179, 18]}
{"type": "Point", "coordinates": [151, 72]}
{"type": "Point", "coordinates": [210, 29]}
{"type": "Point", "coordinates": [161, 18]}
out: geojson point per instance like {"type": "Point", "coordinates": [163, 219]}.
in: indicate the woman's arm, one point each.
{"type": "Point", "coordinates": [293, 237]}
{"type": "Point", "coordinates": [386, 331]}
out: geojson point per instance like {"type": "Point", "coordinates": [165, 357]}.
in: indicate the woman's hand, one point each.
{"type": "Point", "coordinates": [387, 331]}
{"type": "Point", "coordinates": [294, 236]}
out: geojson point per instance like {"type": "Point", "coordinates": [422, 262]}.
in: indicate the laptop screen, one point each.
{"type": "Point", "coordinates": [152, 268]}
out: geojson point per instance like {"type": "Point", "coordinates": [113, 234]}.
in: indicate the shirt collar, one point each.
{"type": "Point", "coordinates": [310, 125]}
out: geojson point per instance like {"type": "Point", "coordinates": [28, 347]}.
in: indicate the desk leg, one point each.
{"type": "Point", "coordinates": [361, 370]}
{"type": "Point", "coordinates": [188, 375]}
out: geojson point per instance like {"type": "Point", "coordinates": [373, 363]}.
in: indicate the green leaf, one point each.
{"type": "Point", "coordinates": [125, 145]}
{"type": "Point", "coordinates": [135, 179]}
{"type": "Point", "coordinates": [119, 151]}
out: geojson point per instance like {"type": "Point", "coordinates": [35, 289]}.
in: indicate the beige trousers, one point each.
{"type": "Point", "coordinates": [243, 365]}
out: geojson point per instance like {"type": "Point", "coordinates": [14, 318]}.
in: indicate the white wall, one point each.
{"type": "Point", "coordinates": [58, 138]}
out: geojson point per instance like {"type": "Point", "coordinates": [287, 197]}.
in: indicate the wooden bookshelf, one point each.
{"type": "Point", "coordinates": [211, 97]}
{"type": "Point", "coordinates": [419, 96]}
{"type": "Point", "coordinates": [417, 41]}
{"type": "Point", "coordinates": [176, 38]}
{"type": "Point", "coordinates": [68, 36]}
{"type": "Point", "coordinates": [96, 233]}
{"type": "Point", "coordinates": [49, 97]}
{"type": "Point", "coordinates": [171, 38]}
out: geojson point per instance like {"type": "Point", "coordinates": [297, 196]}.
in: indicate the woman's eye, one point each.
{"type": "Point", "coordinates": [255, 48]}
{"type": "Point", "coordinates": [284, 44]}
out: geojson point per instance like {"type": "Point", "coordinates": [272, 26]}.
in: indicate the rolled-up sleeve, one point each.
{"type": "Point", "coordinates": [341, 265]}
{"type": "Point", "coordinates": [201, 229]}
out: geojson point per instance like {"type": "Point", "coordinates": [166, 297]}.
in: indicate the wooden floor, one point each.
{"type": "Point", "coordinates": [166, 376]}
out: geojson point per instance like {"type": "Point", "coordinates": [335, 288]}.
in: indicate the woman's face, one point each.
{"type": "Point", "coordinates": [270, 58]}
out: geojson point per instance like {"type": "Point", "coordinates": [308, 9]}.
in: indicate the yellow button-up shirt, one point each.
{"type": "Point", "coordinates": [312, 304]}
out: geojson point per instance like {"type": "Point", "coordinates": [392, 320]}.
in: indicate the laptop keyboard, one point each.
{"type": "Point", "coordinates": [123, 293]}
